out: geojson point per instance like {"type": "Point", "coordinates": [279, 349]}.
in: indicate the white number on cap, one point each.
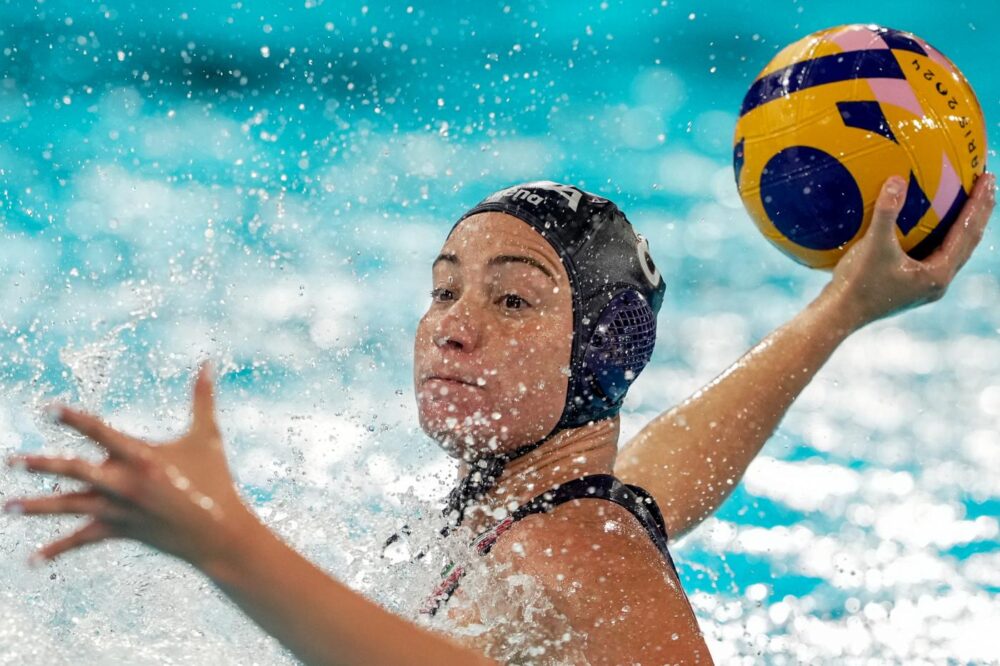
{"type": "Point", "coordinates": [646, 260]}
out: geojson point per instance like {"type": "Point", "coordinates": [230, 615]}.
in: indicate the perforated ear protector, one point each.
{"type": "Point", "coordinates": [621, 344]}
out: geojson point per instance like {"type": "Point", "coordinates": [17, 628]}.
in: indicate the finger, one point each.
{"type": "Point", "coordinates": [968, 230]}
{"type": "Point", "coordinates": [115, 442]}
{"type": "Point", "coordinates": [204, 401]}
{"type": "Point", "coordinates": [105, 477]}
{"type": "Point", "coordinates": [887, 206]}
{"type": "Point", "coordinates": [86, 502]}
{"type": "Point", "coordinates": [92, 532]}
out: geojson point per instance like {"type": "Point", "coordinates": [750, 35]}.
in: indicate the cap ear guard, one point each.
{"type": "Point", "coordinates": [622, 343]}
{"type": "Point", "coordinates": [619, 347]}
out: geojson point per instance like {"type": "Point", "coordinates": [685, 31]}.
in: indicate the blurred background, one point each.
{"type": "Point", "coordinates": [266, 184]}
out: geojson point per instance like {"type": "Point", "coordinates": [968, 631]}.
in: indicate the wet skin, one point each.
{"type": "Point", "coordinates": [592, 557]}
{"type": "Point", "coordinates": [502, 330]}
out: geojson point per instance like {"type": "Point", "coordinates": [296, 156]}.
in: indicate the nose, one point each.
{"type": "Point", "coordinates": [459, 327]}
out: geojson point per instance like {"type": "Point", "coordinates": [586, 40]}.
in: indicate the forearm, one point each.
{"type": "Point", "coordinates": [319, 619]}
{"type": "Point", "coordinates": [692, 456]}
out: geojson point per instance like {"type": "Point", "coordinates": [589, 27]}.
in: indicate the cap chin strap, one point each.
{"type": "Point", "coordinates": [483, 475]}
{"type": "Point", "coordinates": [485, 472]}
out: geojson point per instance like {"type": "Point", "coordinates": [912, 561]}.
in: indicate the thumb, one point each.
{"type": "Point", "coordinates": [887, 206]}
{"type": "Point", "coordinates": [204, 400]}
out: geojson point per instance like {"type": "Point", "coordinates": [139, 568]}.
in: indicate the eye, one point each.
{"type": "Point", "coordinates": [439, 292]}
{"type": "Point", "coordinates": [515, 302]}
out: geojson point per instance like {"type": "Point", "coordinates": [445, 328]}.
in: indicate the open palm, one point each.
{"type": "Point", "coordinates": [175, 496]}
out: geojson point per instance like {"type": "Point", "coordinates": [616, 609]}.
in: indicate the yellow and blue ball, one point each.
{"type": "Point", "coordinates": [832, 116]}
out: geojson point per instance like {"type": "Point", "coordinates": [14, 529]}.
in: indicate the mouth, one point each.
{"type": "Point", "coordinates": [449, 380]}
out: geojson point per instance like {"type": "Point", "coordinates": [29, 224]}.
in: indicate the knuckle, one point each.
{"type": "Point", "coordinates": [133, 447]}
{"type": "Point", "coordinates": [51, 465]}
{"type": "Point", "coordinates": [107, 510]}
{"type": "Point", "coordinates": [80, 505]}
{"type": "Point", "coordinates": [155, 472]}
{"type": "Point", "coordinates": [72, 504]}
{"type": "Point", "coordinates": [936, 290]}
{"type": "Point", "coordinates": [136, 491]}
{"type": "Point", "coordinates": [99, 505]}
{"type": "Point", "coordinates": [89, 425]}
{"type": "Point", "coordinates": [76, 467]}
{"type": "Point", "coordinates": [145, 466]}
{"type": "Point", "coordinates": [935, 284]}
{"type": "Point", "coordinates": [131, 488]}
{"type": "Point", "coordinates": [99, 475]}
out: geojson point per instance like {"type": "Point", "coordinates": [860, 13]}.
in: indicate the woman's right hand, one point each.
{"type": "Point", "coordinates": [877, 279]}
{"type": "Point", "coordinates": [178, 496]}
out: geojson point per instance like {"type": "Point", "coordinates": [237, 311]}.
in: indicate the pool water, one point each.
{"type": "Point", "coordinates": [268, 186]}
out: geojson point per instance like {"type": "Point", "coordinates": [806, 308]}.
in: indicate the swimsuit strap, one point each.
{"type": "Point", "coordinates": [595, 486]}
{"type": "Point", "coordinates": [482, 476]}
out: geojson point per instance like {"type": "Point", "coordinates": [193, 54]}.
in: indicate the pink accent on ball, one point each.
{"type": "Point", "coordinates": [948, 187]}
{"type": "Point", "coordinates": [936, 56]}
{"type": "Point", "coordinates": [859, 39]}
{"type": "Point", "coordinates": [898, 92]}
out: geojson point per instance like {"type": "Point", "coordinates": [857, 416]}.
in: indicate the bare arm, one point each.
{"type": "Point", "coordinates": [320, 620]}
{"type": "Point", "coordinates": [179, 497]}
{"type": "Point", "coordinates": [691, 457]}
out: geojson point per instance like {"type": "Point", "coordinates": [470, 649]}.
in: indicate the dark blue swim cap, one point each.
{"type": "Point", "coordinates": [616, 288]}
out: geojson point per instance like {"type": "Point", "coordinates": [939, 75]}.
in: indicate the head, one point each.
{"type": "Point", "coordinates": [543, 312]}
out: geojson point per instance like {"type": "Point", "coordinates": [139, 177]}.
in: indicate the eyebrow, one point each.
{"type": "Point", "coordinates": [499, 259]}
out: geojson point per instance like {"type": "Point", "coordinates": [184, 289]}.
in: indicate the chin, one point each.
{"type": "Point", "coordinates": [463, 424]}
{"type": "Point", "coordinates": [468, 439]}
{"type": "Point", "coordinates": [456, 434]}
{"type": "Point", "coordinates": [462, 433]}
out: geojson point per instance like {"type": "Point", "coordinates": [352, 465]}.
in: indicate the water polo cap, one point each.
{"type": "Point", "coordinates": [616, 290]}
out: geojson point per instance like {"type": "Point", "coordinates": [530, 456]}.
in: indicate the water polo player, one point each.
{"type": "Point", "coordinates": [544, 312]}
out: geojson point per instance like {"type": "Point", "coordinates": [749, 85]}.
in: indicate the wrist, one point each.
{"type": "Point", "coordinates": [839, 310]}
{"type": "Point", "coordinates": [237, 536]}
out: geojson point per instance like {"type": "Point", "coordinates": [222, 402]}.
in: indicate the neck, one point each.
{"type": "Point", "coordinates": [568, 455]}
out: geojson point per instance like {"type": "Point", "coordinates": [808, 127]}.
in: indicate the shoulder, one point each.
{"type": "Point", "coordinates": [583, 536]}
{"type": "Point", "coordinates": [601, 569]}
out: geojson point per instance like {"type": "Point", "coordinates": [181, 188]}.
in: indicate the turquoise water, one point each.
{"type": "Point", "coordinates": [269, 186]}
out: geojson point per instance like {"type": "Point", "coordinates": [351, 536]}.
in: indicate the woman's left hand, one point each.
{"type": "Point", "coordinates": [178, 496]}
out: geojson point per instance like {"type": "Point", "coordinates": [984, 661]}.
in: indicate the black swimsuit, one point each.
{"type": "Point", "coordinates": [596, 486]}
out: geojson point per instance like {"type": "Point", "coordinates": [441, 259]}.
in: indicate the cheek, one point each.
{"type": "Point", "coordinates": [423, 337]}
{"type": "Point", "coordinates": [532, 365]}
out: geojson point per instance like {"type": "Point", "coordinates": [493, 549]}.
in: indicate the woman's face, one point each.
{"type": "Point", "coordinates": [492, 353]}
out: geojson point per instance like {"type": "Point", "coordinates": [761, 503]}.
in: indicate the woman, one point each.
{"type": "Point", "coordinates": [521, 363]}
